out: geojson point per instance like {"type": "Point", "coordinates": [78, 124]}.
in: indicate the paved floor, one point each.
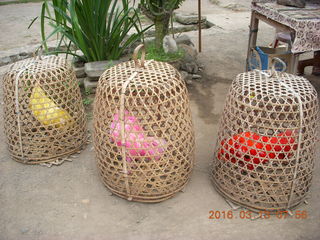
{"type": "Point", "coordinates": [70, 202]}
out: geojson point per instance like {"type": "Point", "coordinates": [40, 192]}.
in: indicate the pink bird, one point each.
{"type": "Point", "coordinates": [137, 144]}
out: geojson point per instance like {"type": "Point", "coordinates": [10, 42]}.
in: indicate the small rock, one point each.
{"type": "Point", "coordinates": [85, 201]}
{"type": "Point", "coordinates": [14, 58]}
{"type": "Point", "coordinates": [184, 39]}
{"type": "Point", "coordinates": [184, 75]}
{"type": "Point", "coordinates": [90, 86]}
{"type": "Point", "coordinates": [24, 230]}
{"type": "Point", "coordinates": [5, 61]}
{"type": "Point", "coordinates": [169, 44]}
{"type": "Point", "coordinates": [189, 82]}
{"type": "Point", "coordinates": [192, 27]}
{"type": "Point", "coordinates": [190, 52]}
{"type": "Point", "coordinates": [235, 7]}
{"type": "Point", "coordinates": [189, 61]}
{"type": "Point", "coordinates": [190, 67]}
{"type": "Point", "coordinates": [23, 57]}
{"type": "Point", "coordinates": [176, 64]}
{"type": "Point", "coordinates": [196, 76]}
{"type": "Point", "coordinates": [188, 19]}
{"type": "Point", "coordinates": [209, 24]}
{"type": "Point", "coordinates": [23, 54]}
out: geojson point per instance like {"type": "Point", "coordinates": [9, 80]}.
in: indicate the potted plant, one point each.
{"type": "Point", "coordinates": [103, 30]}
{"type": "Point", "coordinates": [160, 11]}
{"type": "Point", "coordinates": [100, 29]}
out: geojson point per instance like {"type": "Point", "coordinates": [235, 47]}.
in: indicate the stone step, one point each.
{"type": "Point", "coordinates": [90, 86]}
{"type": "Point", "coordinates": [80, 73]}
{"type": "Point", "coordinates": [188, 19]}
{"type": "Point", "coordinates": [95, 69]}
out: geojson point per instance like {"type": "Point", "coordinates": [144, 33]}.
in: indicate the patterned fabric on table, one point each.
{"type": "Point", "coordinates": [305, 22]}
{"type": "Point", "coordinates": [263, 1]}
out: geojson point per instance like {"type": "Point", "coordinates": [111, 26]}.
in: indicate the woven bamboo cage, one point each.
{"type": "Point", "coordinates": [264, 154]}
{"type": "Point", "coordinates": [44, 118]}
{"type": "Point", "coordinates": [144, 139]}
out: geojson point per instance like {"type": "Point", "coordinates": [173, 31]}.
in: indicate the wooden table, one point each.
{"type": "Point", "coordinates": [303, 24]}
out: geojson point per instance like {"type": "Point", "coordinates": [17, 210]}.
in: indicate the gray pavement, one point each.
{"type": "Point", "coordinates": [70, 202]}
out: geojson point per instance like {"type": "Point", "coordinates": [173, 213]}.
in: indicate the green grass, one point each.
{"type": "Point", "coordinates": [86, 98]}
{"type": "Point", "coordinates": [19, 1]}
{"type": "Point", "coordinates": [159, 55]}
{"type": "Point", "coordinates": [87, 92]}
{"type": "Point", "coordinates": [87, 101]}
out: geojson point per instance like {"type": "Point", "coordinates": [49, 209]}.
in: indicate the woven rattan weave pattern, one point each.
{"type": "Point", "coordinates": [265, 150]}
{"type": "Point", "coordinates": [43, 111]}
{"type": "Point", "coordinates": [144, 138]}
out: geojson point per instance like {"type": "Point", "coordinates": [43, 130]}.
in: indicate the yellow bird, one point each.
{"type": "Point", "coordinates": [46, 111]}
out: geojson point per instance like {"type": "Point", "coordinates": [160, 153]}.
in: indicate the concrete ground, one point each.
{"type": "Point", "coordinates": [70, 202]}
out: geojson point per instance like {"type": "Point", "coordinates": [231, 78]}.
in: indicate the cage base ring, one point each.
{"type": "Point", "coordinates": [49, 159]}
{"type": "Point", "coordinates": [251, 208]}
{"type": "Point", "coordinates": [137, 198]}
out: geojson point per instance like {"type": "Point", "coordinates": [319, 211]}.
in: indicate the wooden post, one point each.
{"type": "Point", "coordinates": [253, 33]}
{"type": "Point", "coordinates": [199, 15]}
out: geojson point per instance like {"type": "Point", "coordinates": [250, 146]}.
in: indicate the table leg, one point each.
{"type": "Point", "coordinates": [316, 66]}
{"type": "Point", "coordinates": [253, 33]}
{"type": "Point", "coordinates": [315, 62]}
{"type": "Point", "coordinates": [294, 63]}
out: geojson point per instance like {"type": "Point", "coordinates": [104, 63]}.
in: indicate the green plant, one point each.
{"type": "Point", "coordinates": [99, 28]}
{"type": "Point", "coordinates": [87, 92]}
{"type": "Point", "coordinates": [87, 101]}
{"type": "Point", "coordinates": [86, 97]}
{"type": "Point", "coordinates": [159, 11]}
{"type": "Point", "coordinates": [18, 1]}
{"type": "Point", "coordinates": [152, 52]}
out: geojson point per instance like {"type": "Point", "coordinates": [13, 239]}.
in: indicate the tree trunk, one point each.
{"type": "Point", "coordinates": [162, 28]}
